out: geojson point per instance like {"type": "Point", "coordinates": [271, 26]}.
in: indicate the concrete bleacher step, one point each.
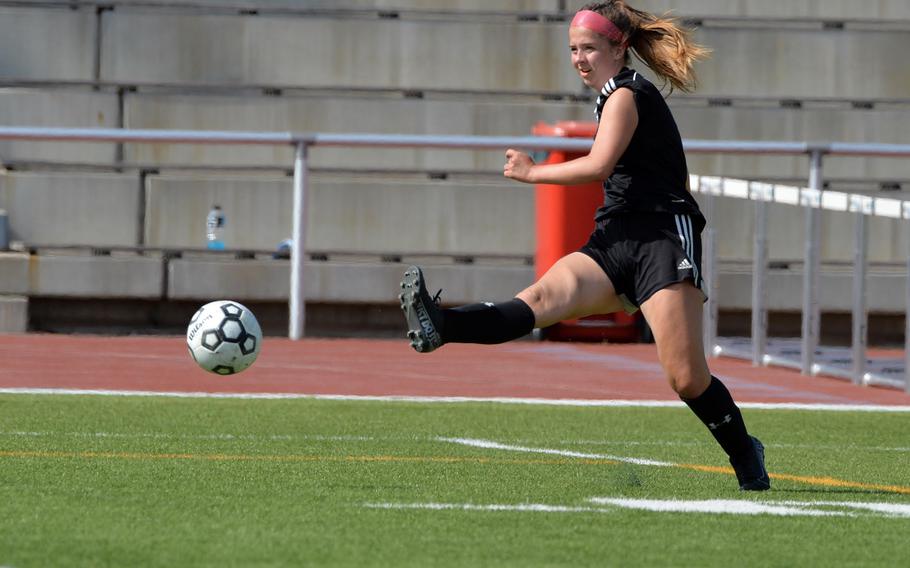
{"type": "Point", "coordinates": [267, 50]}
{"type": "Point", "coordinates": [378, 213]}
{"type": "Point", "coordinates": [442, 114]}
{"type": "Point", "coordinates": [829, 10]}
{"type": "Point", "coordinates": [158, 45]}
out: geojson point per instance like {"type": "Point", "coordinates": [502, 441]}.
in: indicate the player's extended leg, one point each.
{"type": "Point", "coordinates": [675, 317]}
{"type": "Point", "coordinates": [573, 287]}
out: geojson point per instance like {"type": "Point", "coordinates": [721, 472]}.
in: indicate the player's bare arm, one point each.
{"type": "Point", "coordinates": [618, 123]}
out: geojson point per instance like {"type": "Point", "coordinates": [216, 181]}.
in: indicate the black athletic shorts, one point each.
{"type": "Point", "coordinates": [646, 252]}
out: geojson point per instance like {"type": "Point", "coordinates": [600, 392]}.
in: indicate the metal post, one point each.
{"type": "Point", "coordinates": [859, 319]}
{"type": "Point", "coordinates": [811, 320]}
{"type": "Point", "coordinates": [297, 316]}
{"type": "Point", "coordinates": [906, 214]}
{"type": "Point", "coordinates": [709, 277]}
{"type": "Point", "coordinates": [759, 283]}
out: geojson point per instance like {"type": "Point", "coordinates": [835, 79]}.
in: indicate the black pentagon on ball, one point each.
{"type": "Point", "coordinates": [231, 330]}
{"type": "Point", "coordinates": [231, 310]}
{"type": "Point", "coordinates": [223, 370]}
{"type": "Point", "coordinates": [248, 345]}
{"type": "Point", "coordinates": [211, 339]}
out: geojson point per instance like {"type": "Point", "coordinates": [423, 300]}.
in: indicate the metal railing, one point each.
{"type": "Point", "coordinates": [813, 199]}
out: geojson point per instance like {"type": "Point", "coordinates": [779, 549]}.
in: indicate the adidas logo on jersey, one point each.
{"type": "Point", "coordinates": [684, 264]}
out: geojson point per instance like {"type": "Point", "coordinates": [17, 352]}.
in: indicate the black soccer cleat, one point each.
{"type": "Point", "coordinates": [422, 312]}
{"type": "Point", "coordinates": [750, 468]}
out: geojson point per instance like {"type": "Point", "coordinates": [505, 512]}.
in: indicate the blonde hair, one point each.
{"type": "Point", "coordinates": [660, 42]}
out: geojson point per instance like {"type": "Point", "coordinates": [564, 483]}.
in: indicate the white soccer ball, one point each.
{"type": "Point", "coordinates": [224, 337]}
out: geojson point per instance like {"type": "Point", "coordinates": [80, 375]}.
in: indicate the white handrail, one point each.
{"type": "Point", "coordinates": [428, 141]}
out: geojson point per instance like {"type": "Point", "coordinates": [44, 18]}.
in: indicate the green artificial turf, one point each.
{"type": "Point", "coordinates": [135, 481]}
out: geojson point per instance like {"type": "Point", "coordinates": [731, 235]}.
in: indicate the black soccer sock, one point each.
{"type": "Point", "coordinates": [715, 407]}
{"type": "Point", "coordinates": [487, 323]}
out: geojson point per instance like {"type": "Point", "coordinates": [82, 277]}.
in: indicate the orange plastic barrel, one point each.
{"type": "Point", "coordinates": [565, 219]}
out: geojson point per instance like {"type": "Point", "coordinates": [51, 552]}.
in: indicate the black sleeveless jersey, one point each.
{"type": "Point", "coordinates": [651, 175]}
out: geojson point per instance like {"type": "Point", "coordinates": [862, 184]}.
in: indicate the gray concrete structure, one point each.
{"type": "Point", "coordinates": [336, 282]}
{"type": "Point", "coordinates": [13, 314]}
{"type": "Point", "coordinates": [367, 214]}
{"type": "Point", "coordinates": [496, 117]}
{"type": "Point", "coordinates": [202, 278]}
{"type": "Point", "coordinates": [73, 108]}
{"type": "Point", "coordinates": [76, 208]}
{"type": "Point", "coordinates": [185, 48]}
{"type": "Point", "coordinates": [79, 276]}
{"type": "Point", "coordinates": [880, 9]}
{"type": "Point", "coordinates": [188, 48]}
{"type": "Point", "coordinates": [47, 43]}
{"type": "Point", "coordinates": [336, 114]}
{"type": "Point", "coordinates": [833, 9]}
{"type": "Point", "coordinates": [356, 214]}
{"type": "Point", "coordinates": [14, 269]}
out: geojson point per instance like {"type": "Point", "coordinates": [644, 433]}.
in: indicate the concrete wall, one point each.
{"type": "Point", "coordinates": [204, 278]}
{"type": "Point", "coordinates": [78, 208]}
{"type": "Point", "coordinates": [387, 215]}
{"type": "Point", "coordinates": [431, 5]}
{"type": "Point", "coordinates": [880, 9]}
{"type": "Point", "coordinates": [46, 43]}
{"type": "Point", "coordinates": [336, 282]}
{"type": "Point", "coordinates": [347, 214]}
{"type": "Point", "coordinates": [333, 114]}
{"type": "Point", "coordinates": [67, 108]}
{"type": "Point", "coordinates": [185, 48]}
{"type": "Point", "coordinates": [498, 117]}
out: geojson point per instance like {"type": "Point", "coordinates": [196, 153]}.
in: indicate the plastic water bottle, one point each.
{"type": "Point", "coordinates": [214, 228]}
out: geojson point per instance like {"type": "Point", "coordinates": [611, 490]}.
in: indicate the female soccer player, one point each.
{"type": "Point", "coordinates": [645, 250]}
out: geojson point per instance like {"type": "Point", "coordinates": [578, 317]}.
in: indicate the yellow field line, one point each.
{"type": "Point", "coordinates": [810, 480]}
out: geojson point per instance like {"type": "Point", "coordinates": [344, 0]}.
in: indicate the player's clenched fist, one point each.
{"type": "Point", "coordinates": [518, 165]}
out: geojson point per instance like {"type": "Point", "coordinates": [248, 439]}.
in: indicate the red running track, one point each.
{"type": "Point", "coordinates": [523, 369]}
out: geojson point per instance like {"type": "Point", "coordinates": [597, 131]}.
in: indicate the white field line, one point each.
{"type": "Point", "coordinates": [891, 509]}
{"type": "Point", "coordinates": [716, 506]}
{"type": "Point", "coordinates": [453, 399]}
{"type": "Point", "coordinates": [708, 506]}
{"type": "Point", "coordinates": [529, 507]}
{"type": "Point", "coordinates": [489, 444]}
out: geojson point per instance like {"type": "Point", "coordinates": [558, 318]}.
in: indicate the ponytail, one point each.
{"type": "Point", "coordinates": [660, 42]}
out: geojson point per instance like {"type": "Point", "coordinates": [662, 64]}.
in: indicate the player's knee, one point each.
{"type": "Point", "coordinates": [535, 296]}
{"type": "Point", "coordinates": [689, 383]}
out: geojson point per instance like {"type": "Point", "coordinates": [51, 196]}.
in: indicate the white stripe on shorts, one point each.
{"type": "Point", "coordinates": [684, 227]}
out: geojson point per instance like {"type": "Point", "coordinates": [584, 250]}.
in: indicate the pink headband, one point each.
{"type": "Point", "coordinates": [597, 23]}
